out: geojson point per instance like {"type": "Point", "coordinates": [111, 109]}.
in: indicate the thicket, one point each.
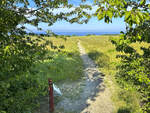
{"type": "Point", "coordinates": [19, 87]}
{"type": "Point", "coordinates": [134, 70]}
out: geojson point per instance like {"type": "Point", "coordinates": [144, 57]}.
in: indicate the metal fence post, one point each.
{"type": "Point", "coordinates": [51, 97]}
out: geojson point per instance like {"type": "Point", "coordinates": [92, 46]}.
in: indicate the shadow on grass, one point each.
{"type": "Point", "coordinates": [124, 110]}
{"type": "Point", "coordinates": [102, 60]}
{"type": "Point", "coordinates": [61, 66]}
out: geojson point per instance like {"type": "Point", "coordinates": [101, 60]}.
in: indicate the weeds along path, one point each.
{"type": "Point", "coordinates": [87, 95]}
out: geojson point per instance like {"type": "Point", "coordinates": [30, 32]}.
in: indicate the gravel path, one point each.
{"type": "Point", "coordinates": [88, 95]}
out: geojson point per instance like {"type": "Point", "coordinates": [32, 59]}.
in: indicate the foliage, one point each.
{"type": "Point", "coordinates": [134, 68]}
{"type": "Point", "coordinates": [19, 53]}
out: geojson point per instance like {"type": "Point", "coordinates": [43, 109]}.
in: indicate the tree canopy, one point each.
{"type": "Point", "coordinates": [19, 52]}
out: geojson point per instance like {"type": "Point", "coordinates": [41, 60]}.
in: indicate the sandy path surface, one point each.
{"type": "Point", "coordinates": [101, 102]}
{"type": "Point", "coordinates": [87, 95]}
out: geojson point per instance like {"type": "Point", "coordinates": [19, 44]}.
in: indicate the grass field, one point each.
{"type": "Point", "coordinates": [60, 65]}
{"type": "Point", "coordinates": [101, 50]}
{"type": "Point", "coordinates": [65, 64]}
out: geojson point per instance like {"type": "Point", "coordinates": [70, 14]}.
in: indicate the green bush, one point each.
{"type": "Point", "coordinates": [135, 72]}
{"type": "Point", "coordinates": [18, 53]}
{"type": "Point", "coordinates": [134, 69]}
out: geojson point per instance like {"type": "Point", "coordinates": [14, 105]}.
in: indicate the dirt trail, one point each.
{"type": "Point", "coordinates": [88, 95]}
{"type": "Point", "coordinates": [101, 102]}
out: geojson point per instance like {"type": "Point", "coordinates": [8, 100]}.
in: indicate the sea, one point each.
{"type": "Point", "coordinates": [81, 33]}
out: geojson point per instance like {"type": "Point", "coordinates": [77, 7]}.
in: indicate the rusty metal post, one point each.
{"type": "Point", "coordinates": [51, 97]}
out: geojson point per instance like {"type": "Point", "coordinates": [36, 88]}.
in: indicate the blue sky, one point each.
{"type": "Point", "coordinates": [92, 26]}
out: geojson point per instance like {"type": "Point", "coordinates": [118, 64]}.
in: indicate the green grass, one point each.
{"type": "Point", "coordinates": [103, 52]}
{"type": "Point", "coordinates": [60, 65]}
{"type": "Point", "coordinates": [67, 65]}
{"type": "Point", "coordinates": [63, 64]}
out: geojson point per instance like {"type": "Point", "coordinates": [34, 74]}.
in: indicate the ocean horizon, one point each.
{"type": "Point", "coordinates": [78, 33]}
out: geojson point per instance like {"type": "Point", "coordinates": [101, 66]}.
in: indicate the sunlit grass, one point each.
{"type": "Point", "coordinates": [63, 64]}
{"type": "Point", "coordinates": [103, 52]}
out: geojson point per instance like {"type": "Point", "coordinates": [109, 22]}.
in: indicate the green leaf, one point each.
{"type": "Point", "coordinates": [139, 37]}
{"type": "Point", "coordinates": [142, 2]}
{"type": "Point", "coordinates": [110, 14]}
{"type": "Point", "coordinates": [127, 15]}
{"type": "Point", "coordinates": [137, 19]}
{"type": "Point", "coordinates": [6, 49]}
{"type": "Point", "coordinates": [140, 15]}
{"type": "Point", "coordinates": [149, 6]}
{"type": "Point", "coordinates": [100, 15]}
{"type": "Point", "coordinates": [8, 85]}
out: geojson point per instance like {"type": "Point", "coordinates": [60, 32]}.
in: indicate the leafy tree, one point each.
{"type": "Point", "coordinates": [19, 52]}
{"type": "Point", "coordinates": [134, 67]}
